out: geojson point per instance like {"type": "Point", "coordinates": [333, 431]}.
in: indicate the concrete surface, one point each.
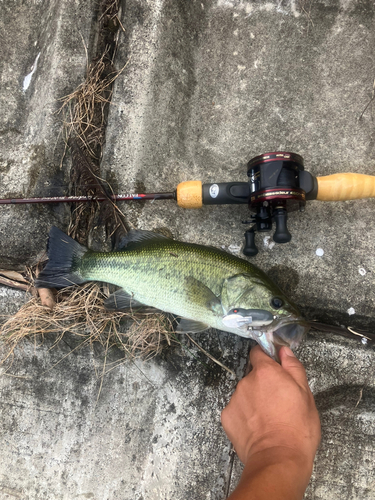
{"type": "Point", "coordinates": [209, 85]}
{"type": "Point", "coordinates": [42, 59]}
{"type": "Point", "coordinates": [151, 431]}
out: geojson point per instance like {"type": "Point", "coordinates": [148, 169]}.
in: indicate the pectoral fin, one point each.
{"type": "Point", "coordinates": [198, 293]}
{"type": "Point", "coordinates": [190, 326]}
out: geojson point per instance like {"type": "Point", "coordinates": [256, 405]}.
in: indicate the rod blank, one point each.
{"type": "Point", "coordinates": [80, 199]}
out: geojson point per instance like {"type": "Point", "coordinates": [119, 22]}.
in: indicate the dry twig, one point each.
{"type": "Point", "coordinates": [212, 358]}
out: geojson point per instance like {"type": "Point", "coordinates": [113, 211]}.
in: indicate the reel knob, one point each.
{"type": "Point", "coordinates": [250, 249]}
{"type": "Point", "coordinates": [282, 235]}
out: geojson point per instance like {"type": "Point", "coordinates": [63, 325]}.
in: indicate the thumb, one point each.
{"type": "Point", "coordinates": [293, 366]}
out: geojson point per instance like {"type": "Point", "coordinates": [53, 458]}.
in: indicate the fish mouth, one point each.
{"type": "Point", "coordinates": [283, 332]}
{"type": "Point", "coordinates": [291, 334]}
{"type": "Point", "coordinates": [269, 331]}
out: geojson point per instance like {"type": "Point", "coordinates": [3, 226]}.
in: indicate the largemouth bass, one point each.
{"type": "Point", "coordinates": [204, 286]}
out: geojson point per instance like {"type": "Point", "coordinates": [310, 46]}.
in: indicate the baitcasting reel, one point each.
{"type": "Point", "coordinates": [277, 184]}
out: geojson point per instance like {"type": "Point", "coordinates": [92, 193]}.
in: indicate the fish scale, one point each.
{"type": "Point", "coordinates": [148, 275]}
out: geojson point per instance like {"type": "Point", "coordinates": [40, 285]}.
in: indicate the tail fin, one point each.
{"type": "Point", "coordinates": [64, 256]}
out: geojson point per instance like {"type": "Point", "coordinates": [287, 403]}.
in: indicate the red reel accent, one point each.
{"type": "Point", "coordinates": [276, 156]}
{"type": "Point", "coordinates": [279, 193]}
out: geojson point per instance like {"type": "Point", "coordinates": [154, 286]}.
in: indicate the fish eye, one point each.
{"type": "Point", "coordinates": [276, 302]}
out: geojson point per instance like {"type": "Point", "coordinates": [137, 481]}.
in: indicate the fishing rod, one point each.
{"type": "Point", "coordinates": [277, 184]}
{"type": "Point", "coordinates": [80, 199]}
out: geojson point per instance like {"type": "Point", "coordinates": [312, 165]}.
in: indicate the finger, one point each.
{"type": "Point", "coordinates": [293, 366]}
{"type": "Point", "coordinates": [259, 357]}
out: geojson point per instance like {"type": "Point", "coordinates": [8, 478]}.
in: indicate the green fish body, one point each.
{"type": "Point", "coordinates": [203, 285]}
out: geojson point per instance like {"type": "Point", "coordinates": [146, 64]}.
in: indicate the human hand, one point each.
{"type": "Point", "coordinates": [273, 408]}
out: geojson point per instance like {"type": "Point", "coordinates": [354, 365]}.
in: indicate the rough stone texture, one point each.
{"type": "Point", "coordinates": [10, 301]}
{"type": "Point", "coordinates": [42, 60]}
{"type": "Point", "coordinates": [209, 85]}
{"type": "Point", "coordinates": [341, 376]}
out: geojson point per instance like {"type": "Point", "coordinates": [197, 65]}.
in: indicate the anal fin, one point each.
{"type": "Point", "coordinates": [123, 301]}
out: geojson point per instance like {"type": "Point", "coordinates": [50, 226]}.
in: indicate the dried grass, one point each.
{"type": "Point", "coordinates": [84, 109]}
{"type": "Point", "coordinates": [80, 311]}
{"type": "Point", "coordinates": [13, 279]}
{"type": "Point", "coordinates": [84, 114]}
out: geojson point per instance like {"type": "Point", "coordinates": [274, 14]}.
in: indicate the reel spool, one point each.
{"type": "Point", "coordinates": [278, 184]}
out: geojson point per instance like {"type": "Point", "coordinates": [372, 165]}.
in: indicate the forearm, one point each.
{"type": "Point", "coordinates": [276, 474]}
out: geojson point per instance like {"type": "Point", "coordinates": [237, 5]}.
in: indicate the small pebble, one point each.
{"type": "Point", "coordinates": [362, 271]}
{"type": "Point", "coordinates": [234, 248]}
{"type": "Point", "coordinates": [351, 311]}
{"type": "Point", "coordinates": [268, 243]}
{"type": "Point", "coordinates": [319, 252]}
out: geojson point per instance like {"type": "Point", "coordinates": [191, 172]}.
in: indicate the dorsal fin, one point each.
{"type": "Point", "coordinates": [136, 236]}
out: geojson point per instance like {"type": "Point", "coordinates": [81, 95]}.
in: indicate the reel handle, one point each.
{"type": "Point", "coordinates": [250, 249]}
{"type": "Point", "coordinates": [281, 235]}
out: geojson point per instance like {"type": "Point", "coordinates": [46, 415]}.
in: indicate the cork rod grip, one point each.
{"type": "Point", "coordinates": [189, 194]}
{"type": "Point", "coordinates": [341, 187]}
